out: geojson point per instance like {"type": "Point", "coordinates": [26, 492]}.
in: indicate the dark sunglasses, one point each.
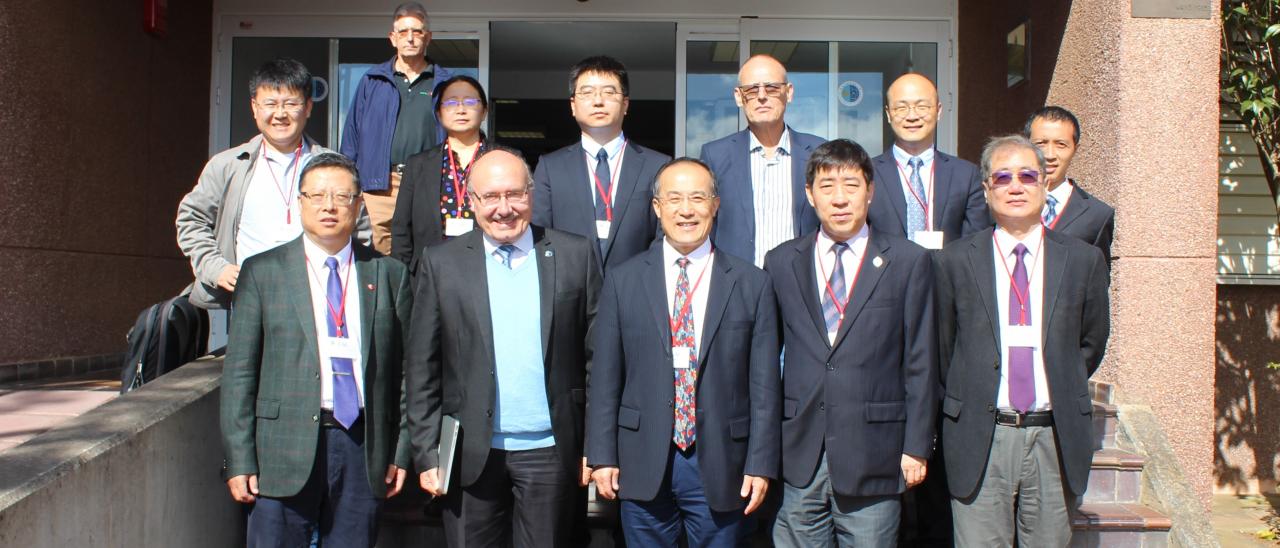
{"type": "Point", "coordinates": [1027, 177]}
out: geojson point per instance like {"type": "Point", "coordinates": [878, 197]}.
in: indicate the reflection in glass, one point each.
{"type": "Point", "coordinates": [711, 72]}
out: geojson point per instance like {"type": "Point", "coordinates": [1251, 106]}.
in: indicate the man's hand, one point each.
{"type": "Point", "coordinates": [227, 279]}
{"type": "Point", "coordinates": [606, 479]}
{"type": "Point", "coordinates": [914, 469]}
{"type": "Point", "coordinates": [244, 488]}
{"type": "Point", "coordinates": [430, 481]}
{"type": "Point", "coordinates": [754, 487]}
{"type": "Point", "coordinates": [394, 479]}
{"type": "Point", "coordinates": [585, 477]}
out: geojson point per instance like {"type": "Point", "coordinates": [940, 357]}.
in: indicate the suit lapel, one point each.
{"type": "Point", "coordinates": [298, 290]}
{"type": "Point", "coordinates": [869, 274]}
{"type": "Point", "coordinates": [632, 164]}
{"type": "Point", "coordinates": [806, 283]}
{"type": "Point", "coordinates": [546, 257]}
{"type": "Point", "coordinates": [1056, 257]}
{"type": "Point", "coordinates": [655, 287]}
{"type": "Point", "coordinates": [473, 260]}
{"type": "Point", "coordinates": [576, 167]}
{"type": "Point", "coordinates": [942, 188]}
{"type": "Point", "coordinates": [799, 156]}
{"type": "Point", "coordinates": [1074, 209]}
{"type": "Point", "coordinates": [742, 151]}
{"type": "Point", "coordinates": [367, 288]}
{"type": "Point", "coordinates": [722, 283]}
{"type": "Point", "coordinates": [893, 188]}
{"type": "Point", "coordinates": [983, 269]}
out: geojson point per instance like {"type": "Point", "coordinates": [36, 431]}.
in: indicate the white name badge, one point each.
{"type": "Point", "coordinates": [602, 229]}
{"type": "Point", "coordinates": [928, 239]}
{"type": "Point", "coordinates": [458, 227]}
{"type": "Point", "coordinates": [681, 357]}
{"type": "Point", "coordinates": [1023, 335]}
{"type": "Point", "coordinates": [340, 347]}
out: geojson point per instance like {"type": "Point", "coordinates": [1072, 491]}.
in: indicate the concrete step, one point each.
{"type": "Point", "coordinates": [1115, 476]}
{"type": "Point", "coordinates": [1119, 525]}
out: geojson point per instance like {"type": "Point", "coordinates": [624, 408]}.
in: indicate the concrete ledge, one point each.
{"type": "Point", "coordinates": [1163, 484]}
{"type": "Point", "coordinates": [141, 470]}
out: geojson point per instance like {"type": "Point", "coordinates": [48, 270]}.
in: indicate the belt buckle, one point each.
{"type": "Point", "coordinates": [1018, 422]}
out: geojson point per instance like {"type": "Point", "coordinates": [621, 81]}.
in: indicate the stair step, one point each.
{"type": "Point", "coordinates": [1101, 392]}
{"type": "Point", "coordinates": [1117, 459]}
{"type": "Point", "coordinates": [1118, 516]}
{"type": "Point", "coordinates": [1115, 476]}
{"type": "Point", "coordinates": [1106, 423]}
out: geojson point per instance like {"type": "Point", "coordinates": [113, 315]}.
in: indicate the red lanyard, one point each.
{"type": "Point", "coordinates": [286, 197]}
{"type": "Point", "coordinates": [604, 195]}
{"type": "Point", "coordinates": [933, 171]}
{"type": "Point", "coordinates": [459, 183]}
{"type": "Point", "coordinates": [339, 314]}
{"type": "Point", "coordinates": [1022, 299]}
{"type": "Point", "coordinates": [840, 306]}
{"type": "Point", "coordinates": [689, 301]}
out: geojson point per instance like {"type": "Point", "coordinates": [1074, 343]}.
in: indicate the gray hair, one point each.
{"type": "Point", "coordinates": [410, 9]}
{"type": "Point", "coordinates": [715, 186]}
{"type": "Point", "coordinates": [997, 144]}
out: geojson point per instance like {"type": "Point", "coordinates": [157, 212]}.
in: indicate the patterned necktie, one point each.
{"type": "Point", "coordinates": [346, 399]}
{"type": "Point", "coordinates": [504, 252]}
{"type": "Point", "coordinates": [915, 211]}
{"type": "Point", "coordinates": [1022, 383]}
{"type": "Point", "coordinates": [834, 297]}
{"type": "Point", "coordinates": [1050, 210]}
{"type": "Point", "coordinates": [686, 378]}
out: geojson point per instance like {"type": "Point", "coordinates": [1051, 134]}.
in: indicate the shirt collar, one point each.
{"type": "Point", "coordinates": [784, 143]}
{"type": "Point", "coordinates": [857, 244]}
{"type": "Point", "coordinates": [669, 253]}
{"type": "Point", "coordinates": [1033, 240]}
{"type": "Point", "coordinates": [902, 157]}
{"type": "Point", "coordinates": [1063, 192]}
{"type": "Point", "coordinates": [523, 244]}
{"type": "Point", "coordinates": [612, 148]}
{"type": "Point", "coordinates": [284, 158]}
{"type": "Point", "coordinates": [317, 256]}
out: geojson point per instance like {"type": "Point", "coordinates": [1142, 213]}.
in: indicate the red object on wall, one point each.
{"type": "Point", "coordinates": [155, 16]}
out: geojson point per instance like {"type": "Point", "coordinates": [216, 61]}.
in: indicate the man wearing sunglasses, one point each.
{"type": "Point", "coordinates": [391, 117]}
{"type": "Point", "coordinates": [761, 168]}
{"type": "Point", "coordinates": [1017, 420]}
{"type": "Point", "coordinates": [1068, 208]}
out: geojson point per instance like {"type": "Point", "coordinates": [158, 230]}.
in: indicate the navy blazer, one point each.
{"type": "Point", "coordinates": [730, 160]}
{"type": "Point", "coordinates": [563, 200]}
{"type": "Point", "coordinates": [959, 207]}
{"type": "Point", "coordinates": [1088, 218]}
{"type": "Point", "coordinates": [1077, 324]}
{"type": "Point", "coordinates": [631, 417]}
{"type": "Point", "coordinates": [871, 396]}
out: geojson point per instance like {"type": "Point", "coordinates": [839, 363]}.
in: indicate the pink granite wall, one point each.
{"type": "Point", "coordinates": [1247, 455]}
{"type": "Point", "coordinates": [103, 128]}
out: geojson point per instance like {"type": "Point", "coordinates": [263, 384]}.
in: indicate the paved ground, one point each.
{"type": "Point", "coordinates": [1237, 519]}
{"type": "Point", "coordinates": [29, 408]}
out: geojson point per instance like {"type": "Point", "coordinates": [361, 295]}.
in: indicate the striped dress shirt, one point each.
{"type": "Point", "coordinates": [771, 195]}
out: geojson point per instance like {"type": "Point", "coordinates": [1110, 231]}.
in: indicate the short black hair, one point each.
{"type": "Point", "coordinates": [330, 159]}
{"type": "Point", "coordinates": [833, 155]}
{"type": "Point", "coordinates": [602, 64]}
{"type": "Point", "coordinates": [1053, 114]}
{"type": "Point", "coordinates": [281, 73]}
{"type": "Point", "coordinates": [715, 187]}
{"type": "Point", "coordinates": [410, 9]}
{"type": "Point", "coordinates": [438, 93]}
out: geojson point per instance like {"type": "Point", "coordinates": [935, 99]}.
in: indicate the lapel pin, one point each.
{"type": "Point", "coordinates": [876, 262]}
{"type": "Point", "coordinates": [548, 253]}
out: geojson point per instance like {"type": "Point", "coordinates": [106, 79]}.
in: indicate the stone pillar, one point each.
{"type": "Point", "coordinates": [1146, 91]}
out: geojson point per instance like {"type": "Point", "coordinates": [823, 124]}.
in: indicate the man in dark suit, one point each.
{"type": "Point", "coordinates": [500, 343]}
{"type": "Point", "coordinates": [860, 364]}
{"type": "Point", "coordinates": [761, 168]}
{"type": "Point", "coordinates": [1068, 208]}
{"type": "Point", "coordinates": [684, 414]}
{"type": "Point", "coordinates": [1023, 322]}
{"type": "Point", "coordinates": [311, 420]}
{"type": "Point", "coordinates": [600, 187]}
{"type": "Point", "coordinates": [929, 197]}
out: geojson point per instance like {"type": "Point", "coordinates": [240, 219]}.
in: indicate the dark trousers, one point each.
{"type": "Point", "coordinates": [932, 506]}
{"type": "Point", "coordinates": [681, 506]}
{"type": "Point", "coordinates": [521, 499]}
{"type": "Point", "coordinates": [336, 501]}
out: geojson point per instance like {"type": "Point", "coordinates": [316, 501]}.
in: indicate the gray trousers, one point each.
{"type": "Point", "coordinates": [815, 516]}
{"type": "Point", "coordinates": [1022, 495]}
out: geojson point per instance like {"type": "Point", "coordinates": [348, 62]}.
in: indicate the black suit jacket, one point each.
{"type": "Point", "coordinates": [450, 369]}
{"type": "Point", "coordinates": [416, 222]}
{"type": "Point", "coordinates": [730, 160]}
{"type": "Point", "coordinates": [959, 208]}
{"type": "Point", "coordinates": [1075, 304]}
{"type": "Point", "coordinates": [563, 200]}
{"type": "Point", "coordinates": [873, 395]}
{"type": "Point", "coordinates": [631, 415]}
{"type": "Point", "coordinates": [1088, 218]}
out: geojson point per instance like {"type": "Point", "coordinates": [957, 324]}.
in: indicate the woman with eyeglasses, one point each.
{"type": "Point", "coordinates": [434, 204]}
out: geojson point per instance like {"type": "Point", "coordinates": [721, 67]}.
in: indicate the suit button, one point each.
{"type": "Point", "coordinates": [671, 404]}
{"type": "Point", "coordinates": [490, 371]}
{"type": "Point", "coordinates": [822, 406]}
{"type": "Point", "coordinates": [488, 413]}
{"type": "Point", "coordinates": [991, 408]}
{"type": "Point", "coordinates": [315, 418]}
{"type": "Point", "coordinates": [317, 375]}
{"type": "Point", "coordinates": [829, 367]}
{"type": "Point", "coordinates": [996, 364]}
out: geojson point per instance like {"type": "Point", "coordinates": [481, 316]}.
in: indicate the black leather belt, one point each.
{"type": "Point", "coordinates": [327, 420]}
{"type": "Point", "coordinates": [1019, 420]}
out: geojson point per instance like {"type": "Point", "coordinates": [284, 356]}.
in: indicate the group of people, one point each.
{"type": "Point", "coordinates": [785, 334]}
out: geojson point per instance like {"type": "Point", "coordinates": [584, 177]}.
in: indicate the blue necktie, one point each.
{"type": "Point", "coordinates": [346, 398]}
{"type": "Point", "coordinates": [834, 297]}
{"type": "Point", "coordinates": [915, 211]}
{"type": "Point", "coordinates": [1050, 210]}
{"type": "Point", "coordinates": [504, 252]}
{"type": "Point", "coordinates": [602, 174]}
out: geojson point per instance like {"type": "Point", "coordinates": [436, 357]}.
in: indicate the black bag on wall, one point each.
{"type": "Point", "coordinates": [165, 336]}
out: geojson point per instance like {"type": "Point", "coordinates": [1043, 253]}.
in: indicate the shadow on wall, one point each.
{"type": "Point", "coordinates": [1247, 390]}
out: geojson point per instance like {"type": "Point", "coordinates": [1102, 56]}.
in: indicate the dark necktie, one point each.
{"type": "Point", "coordinates": [346, 398]}
{"type": "Point", "coordinates": [606, 185]}
{"type": "Point", "coordinates": [1022, 382]}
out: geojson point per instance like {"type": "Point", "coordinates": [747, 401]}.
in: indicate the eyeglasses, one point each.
{"type": "Point", "coordinates": [920, 109]}
{"type": "Point", "coordinates": [608, 93]}
{"type": "Point", "coordinates": [469, 102]}
{"type": "Point", "coordinates": [1001, 179]}
{"type": "Point", "coordinates": [695, 199]}
{"type": "Point", "coordinates": [291, 106]}
{"type": "Point", "coordinates": [319, 199]}
{"type": "Point", "coordinates": [490, 199]}
{"type": "Point", "coordinates": [770, 89]}
{"type": "Point", "coordinates": [404, 33]}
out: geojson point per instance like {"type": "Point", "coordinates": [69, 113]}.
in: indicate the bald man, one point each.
{"type": "Point", "coordinates": [761, 168]}
{"type": "Point", "coordinates": [927, 196]}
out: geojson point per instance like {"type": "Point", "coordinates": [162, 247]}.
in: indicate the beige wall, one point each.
{"type": "Point", "coordinates": [104, 129]}
{"type": "Point", "coordinates": [1248, 392]}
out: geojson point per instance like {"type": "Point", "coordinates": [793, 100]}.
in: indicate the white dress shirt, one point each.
{"type": "Point", "coordinates": [318, 279]}
{"type": "Point", "coordinates": [523, 248]}
{"type": "Point", "coordinates": [1003, 258]}
{"type": "Point", "coordinates": [903, 159]}
{"type": "Point", "coordinates": [263, 216]}
{"type": "Point", "coordinates": [824, 260]}
{"type": "Point", "coordinates": [771, 194]}
{"type": "Point", "coordinates": [614, 149]}
{"type": "Point", "coordinates": [1061, 194]}
{"type": "Point", "coordinates": [699, 262]}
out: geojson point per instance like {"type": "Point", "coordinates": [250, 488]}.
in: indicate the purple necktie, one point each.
{"type": "Point", "coordinates": [1022, 382]}
{"type": "Point", "coordinates": [346, 399]}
